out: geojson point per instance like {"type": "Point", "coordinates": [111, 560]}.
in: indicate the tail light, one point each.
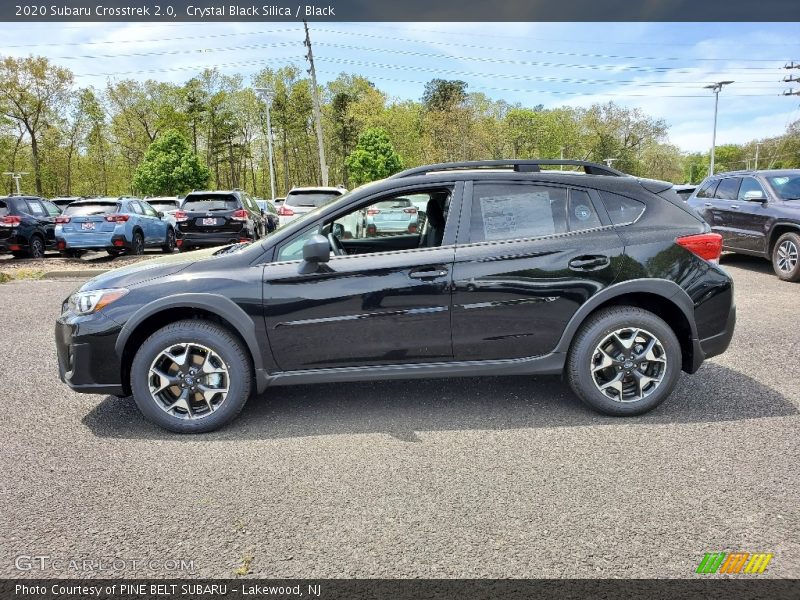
{"type": "Point", "coordinates": [61, 245]}
{"type": "Point", "coordinates": [283, 211]}
{"type": "Point", "coordinates": [410, 211]}
{"type": "Point", "coordinates": [62, 220]}
{"type": "Point", "coordinates": [239, 215]}
{"type": "Point", "coordinates": [117, 218]}
{"type": "Point", "coordinates": [181, 216]}
{"type": "Point", "coordinates": [707, 246]}
{"type": "Point", "coordinates": [10, 221]}
{"type": "Point", "coordinates": [373, 211]}
{"type": "Point", "coordinates": [412, 228]}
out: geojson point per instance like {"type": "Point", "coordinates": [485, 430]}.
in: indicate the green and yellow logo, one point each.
{"type": "Point", "coordinates": [734, 562]}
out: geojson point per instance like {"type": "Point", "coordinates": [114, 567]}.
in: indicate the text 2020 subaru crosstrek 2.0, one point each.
{"type": "Point", "coordinates": [606, 279]}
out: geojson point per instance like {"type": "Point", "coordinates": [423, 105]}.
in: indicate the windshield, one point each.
{"type": "Point", "coordinates": [787, 187]}
{"type": "Point", "coordinates": [210, 203]}
{"type": "Point", "coordinates": [84, 209]}
{"type": "Point", "coordinates": [310, 199]}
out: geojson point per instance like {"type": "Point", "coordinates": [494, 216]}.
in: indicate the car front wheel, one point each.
{"type": "Point", "coordinates": [624, 361]}
{"type": "Point", "coordinates": [191, 376]}
{"type": "Point", "coordinates": [786, 257]}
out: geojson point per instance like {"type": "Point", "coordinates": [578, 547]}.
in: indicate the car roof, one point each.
{"type": "Point", "coordinates": [763, 172]}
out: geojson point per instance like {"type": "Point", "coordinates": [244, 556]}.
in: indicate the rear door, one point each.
{"type": "Point", "coordinates": [157, 227]}
{"type": "Point", "coordinates": [751, 219]}
{"type": "Point", "coordinates": [703, 201]}
{"type": "Point", "coordinates": [725, 217]}
{"type": "Point", "coordinates": [44, 222]}
{"type": "Point", "coordinates": [52, 212]}
{"type": "Point", "coordinates": [532, 254]}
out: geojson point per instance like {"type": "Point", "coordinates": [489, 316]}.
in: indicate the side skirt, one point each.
{"type": "Point", "coordinates": [549, 364]}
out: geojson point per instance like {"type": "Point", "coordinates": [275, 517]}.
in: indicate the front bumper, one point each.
{"type": "Point", "coordinates": [87, 359]}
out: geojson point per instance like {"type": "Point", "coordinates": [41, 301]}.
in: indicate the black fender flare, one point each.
{"type": "Point", "coordinates": [669, 290]}
{"type": "Point", "coordinates": [214, 303]}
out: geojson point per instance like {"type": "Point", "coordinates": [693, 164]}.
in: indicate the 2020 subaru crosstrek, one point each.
{"type": "Point", "coordinates": [606, 279]}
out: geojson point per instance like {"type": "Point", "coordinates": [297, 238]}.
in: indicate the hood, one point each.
{"type": "Point", "coordinates": [147, 270]}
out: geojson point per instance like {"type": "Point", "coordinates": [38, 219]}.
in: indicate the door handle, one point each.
{"type": "Point", "coordinates": [588, 263]}
{"type": "Point", "coordinates": [428, 273]}
{"type": "Point", "coordinates": [735, 206]}
{"type": "Point", "coordinates": [708, 205]}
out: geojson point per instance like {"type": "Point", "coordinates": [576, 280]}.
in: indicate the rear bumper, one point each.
{"type": "Point", "coordinates": [715, 344]}
{"type": "Point", "coordinates": [13, 242]}
{"type": "Point", "coordinates": [87, 360]}
{"type": "Point", "coordinates": [95, 242]}
{"type": "Point", "coordinates": [193, 238]}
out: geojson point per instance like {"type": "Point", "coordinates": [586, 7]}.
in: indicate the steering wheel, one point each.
{"type": "Point", "coordinates": [336, 245]}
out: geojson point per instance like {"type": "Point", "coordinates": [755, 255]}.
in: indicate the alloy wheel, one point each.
{"type": "Point", "coordinates": [628, 364]}
{"type": "Point", "coordinates": [189, 380]}
{"type": "Point", "coordinates": [787, 256]}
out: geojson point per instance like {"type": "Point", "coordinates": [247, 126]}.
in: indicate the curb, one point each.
{"type": "Point", "coordinates": [86, 273]}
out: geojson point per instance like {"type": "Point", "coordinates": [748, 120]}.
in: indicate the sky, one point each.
{"type": "Point", "coordinates": [661, 68]}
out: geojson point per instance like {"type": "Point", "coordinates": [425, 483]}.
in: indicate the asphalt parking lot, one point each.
{"type": "Point", "coordinates": [441, 478]}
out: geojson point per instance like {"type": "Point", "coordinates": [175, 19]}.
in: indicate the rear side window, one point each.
{"type": "Point", "coordinates": [515, 211]}
{"type": "Point", "coordinates": [728, 188]}
{"type": "Point", "coordinates": [581, 213]}
{"type": "Point", "coordinates": [36, 209]}
{"type": "Point", "coordinates": [708, 188]}
{"type": "Point", "coordinates": [622, 210]}
{"type": "Point", "coordinates": [85, 209]}
{"type": "Point", "coordinates": [310, 199]}
{"type": "Point", "coordinates": [216, 202]}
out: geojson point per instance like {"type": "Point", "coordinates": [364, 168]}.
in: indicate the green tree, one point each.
{"type": "Point", "coordinates": [373, 158]}
{"type": "Point", "coordinates": [169, 167]}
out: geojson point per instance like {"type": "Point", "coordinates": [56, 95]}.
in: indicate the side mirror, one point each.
{"type": "Point", "coordinates": [755, 196]}
{"type": "Point", "coordinates": [317, 249]}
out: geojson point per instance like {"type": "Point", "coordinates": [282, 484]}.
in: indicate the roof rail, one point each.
{"type": "Point", "coordinates": [520, 166]}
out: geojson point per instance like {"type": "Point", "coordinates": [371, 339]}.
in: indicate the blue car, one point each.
{"type": "Point", "coordinates": [116, 225]}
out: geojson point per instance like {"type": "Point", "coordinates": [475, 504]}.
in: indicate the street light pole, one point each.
{"type": "Point", "coordinates": [758, 145]}
{"type": "Point", "coordinates": [16, 177]}
{"type": "Point", "coordinates": [716, 88]}
{"type": "Point", "coordinates": [268, 95]}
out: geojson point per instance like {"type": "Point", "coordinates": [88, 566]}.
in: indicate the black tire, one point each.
{"type": "Point", "coordinates": [786, 257]}
{"type": "Point", "coordinates": [585, 354]}
{"type": "Point", "coordinates": [70, 253]}
{"type": "Point", "coordinates": [169, 246]}
{"type": "Point", "coordinates": [114, 252]}
{"type": "Point", "coordinates": [137, 245]}
{"type": "Point", "coordinates": [36, 247]}
{"type": "Point", "coordinates": [221, 342]}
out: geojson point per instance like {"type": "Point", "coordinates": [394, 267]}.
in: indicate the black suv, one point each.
{"type": "Point", "coordinates": [218, 218]}
{"type": "Point", "coordinates": [609, 280]}
{"type": "Point", "coordinates": [757, 213]}
{"type": "Point", "coordinates": [27, 225]}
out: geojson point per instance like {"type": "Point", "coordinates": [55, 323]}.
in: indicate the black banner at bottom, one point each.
{"type": "Point", "coordinates": [396, 589]}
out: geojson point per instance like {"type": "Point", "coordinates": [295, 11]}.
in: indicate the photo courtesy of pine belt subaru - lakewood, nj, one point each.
{"type": "Point", "coordinates": [605, 279]}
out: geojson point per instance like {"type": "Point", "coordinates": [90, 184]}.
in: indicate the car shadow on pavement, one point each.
{"type": "Point", "coordinates": [743, 261]}
{"type": "Point", "coordinates": [401, 408]}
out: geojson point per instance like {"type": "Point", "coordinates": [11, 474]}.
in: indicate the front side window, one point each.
{"type": "Point", "coordinates": [149, 210]}
{"type": "Point", "coordinates": [293, 250]}
{"type": "Point", "coordinates": [509, 211]}
{"type": "Point", "coordinates": [51, 208]}
{"type": "Point", "coordinates": [750, 184]}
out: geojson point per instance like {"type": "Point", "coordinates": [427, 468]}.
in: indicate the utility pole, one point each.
{"type": "Point", "coordinates": [561, 167]}
{"type": "Point", "coordinates": [323, 166]}
{"type": "Point", "coordinates": [16, 177]}
{"type": "Point", "coordinates": [716, 88]}
{"type": "Point", "coordinates": [268, 96]}
{"type": "Point", "coordinates": [758, 145]}
{"type": "Point", "coordinates": [609, 161]}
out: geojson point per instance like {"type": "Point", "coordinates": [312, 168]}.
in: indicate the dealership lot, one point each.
{"type": "Point", "coordinates": [442, 478]}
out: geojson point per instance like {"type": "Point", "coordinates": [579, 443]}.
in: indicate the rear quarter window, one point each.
{"type": "Point", "coordinates": [707, 189]}
{"type": "Point", "coordinates": [621, 209]}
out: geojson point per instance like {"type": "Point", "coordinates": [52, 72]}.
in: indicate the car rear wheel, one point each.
{"type": "Point", "coordinates": [624, 361]}
{"type": "Point", "coordinates": [36, 247]}
{"type": "Point", "coordinates": [169, 245]}
{"type": "Point", "coordinates": [191, 376]}
{"type": "Point", "coordinates": [786, 257]}
{"type": "Point", "coordinates": [137, 246]}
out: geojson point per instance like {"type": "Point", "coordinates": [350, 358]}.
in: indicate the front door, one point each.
{"type": "Point", "coordinates": [390, 305]}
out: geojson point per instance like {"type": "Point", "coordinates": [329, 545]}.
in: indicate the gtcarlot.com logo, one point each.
{"type": "Point", "coordinates": [734, 562]}
{"type": "Point", "coordinates": [102, 564]}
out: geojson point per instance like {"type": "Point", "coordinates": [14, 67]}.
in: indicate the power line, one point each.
{"type": "Point", "coordinates": [179, 52]}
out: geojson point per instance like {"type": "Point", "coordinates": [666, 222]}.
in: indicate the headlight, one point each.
{"type": "Point", "coordinates": [86, 303]}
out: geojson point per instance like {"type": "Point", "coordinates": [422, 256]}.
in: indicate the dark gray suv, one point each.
{"type": "Point", "coordinates": [757, 213]}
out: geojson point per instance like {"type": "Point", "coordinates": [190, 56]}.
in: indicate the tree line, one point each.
{"type": "Point", "coordinates": [88, 141]}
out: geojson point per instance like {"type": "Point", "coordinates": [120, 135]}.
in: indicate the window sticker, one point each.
{"type": "Point", "coordinates": [517, 216]}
